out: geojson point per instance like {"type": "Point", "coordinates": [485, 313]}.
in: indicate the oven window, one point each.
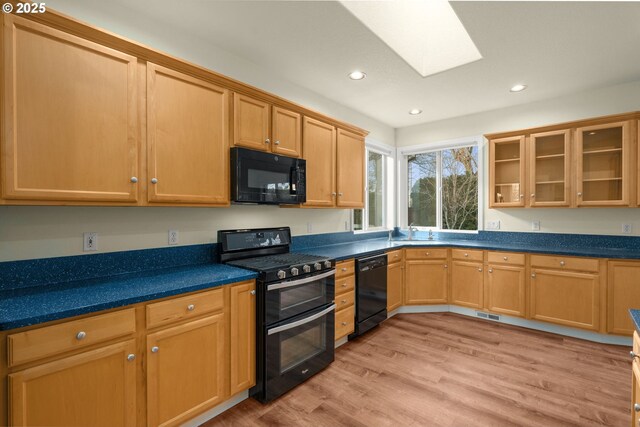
{"type": "Point", "coordinates": [304, 294]}
{"type": "Point", "coordinates": [298, 347]}
{"type": "Point", "coordinates": [268, 180]}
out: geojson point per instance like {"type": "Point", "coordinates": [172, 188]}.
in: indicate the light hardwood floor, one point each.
{"type": "Point", "coordinates": [442, 369]}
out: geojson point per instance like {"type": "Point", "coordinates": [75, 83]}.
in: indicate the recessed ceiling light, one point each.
{"type": "Point", "coordinates": [415, 112]}
{"type": "Point", "coordinates": [357, 75]}
{"type": "Point", "coordinates": [518, 88]}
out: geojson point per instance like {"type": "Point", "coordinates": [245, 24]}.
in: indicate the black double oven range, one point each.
{"type": "Point", "coordinates": [294, 307]}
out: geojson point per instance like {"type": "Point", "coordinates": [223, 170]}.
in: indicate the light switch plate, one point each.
{"type": "Point", "coordinates": [493, 225]}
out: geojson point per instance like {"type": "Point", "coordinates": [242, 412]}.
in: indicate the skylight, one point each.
{"type": "Point", "coordinates": [426, 34]}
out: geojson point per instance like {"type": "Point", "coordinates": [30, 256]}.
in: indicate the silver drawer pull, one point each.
{"type": "Point", "coordinates": [446, 266]}
{"type": "Point", "coordinates": [191, 307]}
{"type": "Point", "coordinates": [344, 323]}
{"type": "Point", "coordinates": [491, 270]}
{"type": "Point", "coordinates": [632, 354]}
{"type": "Point", "coordinates": [131, 357]}
{"type": "Point", "coordinates": [344, 301]}
{"type": "Point", "coordinates": [636, 407]}
{"type": "Point", "coordinates": [81, 335]}
{"type": "Point", "coordinates": [561, 263]}
{"type": "Point", "coordinates": [343, 269]}
{"type": "Point", "coordinates": [480, 270]}
{"type": "Point", "coordinates": [466, 254]}
{"type": "Point", "coordinates": [155, 349]}
{"type": "Point", "coordinates": [505, 258]}
{"type": "Point", "coordinates": [253, 292]}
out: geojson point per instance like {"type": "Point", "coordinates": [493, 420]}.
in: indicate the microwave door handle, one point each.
{"type": "Point", "coordinates": [301, 281]}
{"type": "Point", "coordinates": [294, 180]}
{"type": "Point", "coordinates": [302, 321]}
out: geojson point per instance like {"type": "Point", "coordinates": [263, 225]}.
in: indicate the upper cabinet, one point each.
{"type": "Point", "coordinates": [320, 153]}
{"type": "Point", "coordinates": [586, 163]}
{"type": "Point", "coordinates": [251, 121]}
{"type": "Point", "coordinates": [506, 178]}
{"type": "Point", "coordinates": [602, 159]}
{"type": "Point", "coordinates": [187, 139]}
{"type": "Point", "coordinates": [70, 130]}
{"type": "Point", "coordinates": [350, 170]}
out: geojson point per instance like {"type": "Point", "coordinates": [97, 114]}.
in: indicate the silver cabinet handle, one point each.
{"type": "Point", "coordinates": [344, 301]}
{"type": "Point", "coordinates": [301, 281]}
{"type": "Point", "coordinates": [533, 275]}
{"type": "Point", "coordinates": [154, 180]}
{"type": "Point", "coordinates": [466, 255]}
{"type": "Point", "coordinates": [579, 194]}
{"type": "Point", "coordinates": [340, 194]}
{"type": "Point", "coordinates": [561, 263]}
{"type": "Point", "coordinates": [267, 141]}
{"type": "Point", "coordinates": [491, 270]}
{"type": "Point", "coordinates": [522, 196]}
{"type": "Point", "coordinates": [633, 354]}
{"type": "Point", "coordinates": [505, 258]}
{"type": "Point", "coordinates": [533, 195]}
{"type": "Point", "coordinates": [81, 335]}
{"type": "Point", "coordinates": [134, 179]}
{"type": "Point", "coordinates": [333, 194]}
{"type": "Point", "coordinates": [344, 285]}
{"type": "Point", "coordinates": [277, 142]}
{"type": "Point", "coordinates": [301, 322]}
{"type": "Point", "coordinates": [131, 357]}
{"type": "Point", "coordinates": [480, 270]}
{"type": "Point", "coordinates": [445, 266]}
{"type": "Point", "coordinates": [344, 323]}
{"type": "Point", "coordinates": [426, 253]}
{"type": "Point", "coordinates": [253, 292]}
{"type": "Point", "coordinates": [191, 307]}
{"type": "Point", "coordinates": [636, 407]}
{"type": "Point", "coordinates": [343, 269]}
{"type": "Point", "coordinates": [155, 349]}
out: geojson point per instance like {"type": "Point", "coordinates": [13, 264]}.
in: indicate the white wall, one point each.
{"type": "Point", "coordinates": [611, 100]}
{"type": "Point", "coordinates": [39, 232]}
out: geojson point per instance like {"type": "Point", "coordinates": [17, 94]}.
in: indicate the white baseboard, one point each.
{"type": "Point", "coordinates": [214, 412]}
{"type": "Point", "coordinates": [517, 321]}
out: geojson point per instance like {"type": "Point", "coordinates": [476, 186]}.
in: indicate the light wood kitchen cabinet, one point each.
{"type": "Point", "coordinates": [242, 336]}
{"type": "Point", "coordinates": [287, 132]}
{"type": "Point", "coordinates": [426, 282]}
{"type": "Point", "coordinates": [602, 162]}
{"type": "Point", "coordinates": [70, 127]}
{"type": "Point", "coordinates": [550, 169]}
{"type": "Point", "coordinates": [350, 166]}
{"type": "Point", "coordinates": [467, 284]}
{"type": "Point", "coordinates": [251, 119]}
{"type": "Point", "coordinates": [507, 172]}
{"type": "Point", "coordinates": [187, 139]}
{"type": "Point", "coordinates": [635, 383]}
{"type": "Point", "coordinates": [186, 369]}
{"type": "Point", "coordinates": [395, 279]}
{"type": "Point", "coordinates": [623, 293]}
{"type": "Point", "coordinates": [565, 297]}
{"type": "Point", "coordinates": [319, 149]}
{"type": "Point", "coordinates": [505, 285]}
{"type": "Point", "coordinates": [94, 388]}
{"type": "Point", "coordinates": [345, 298]}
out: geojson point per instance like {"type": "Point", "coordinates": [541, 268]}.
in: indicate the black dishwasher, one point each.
{"type": "Point", "coordinates": [371, 293]}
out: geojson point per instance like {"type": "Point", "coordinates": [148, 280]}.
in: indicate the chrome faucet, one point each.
{"type": "Point", "coordinates": [430, 235]}
{"type": "Point", "coordinates": [411, 230]}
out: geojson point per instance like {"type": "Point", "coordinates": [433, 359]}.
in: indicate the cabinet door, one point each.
{"type": "Point", "coordinates": [185, 371]}
{"type": "Point", "coordinates": [602, 161]}
{"type": "Point", "coordinates": [251, 123]}
{"type": "Point", "coordinates": [623, 293]}
{"type": "Point", "coordinates": [506, 290]}
{"type": "Point", "coordinates": [467, 280]}
{"type": "Point", "coordinates": [567, 298]}
{"type": "Point", "coordinates": [426, 282]}
{"type": "Point", "coordinates": [187, 131]}
{"type": "Point", "coordinates": [287, 132]}
{"type": "Point", "coordinates": [506, 172]}
{"type": "Point", "coordinates": [243, 336]}
{"type": "Point", "coordinates": [550, 168]}
{"type": "Point", "coordinates": [96, 388]}
{"type": "Point", "coordinates": [69, 117]}
{"type": "Point", "coordinates": [319, 149]}
{"type": "Point", "coordinates": [395, 279]}
{"type": "Point", "coordinates": [635, 393]}
{"type": "Point", "coordinates": [350, 166]}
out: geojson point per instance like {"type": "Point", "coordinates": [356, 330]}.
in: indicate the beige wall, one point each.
{"type": "Point", "coordinates": [612, 100]}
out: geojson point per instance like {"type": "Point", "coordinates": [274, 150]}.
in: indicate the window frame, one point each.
{"type": "Point", "coordinates": [402, 178]}
{"type": "Point", "coordinates": [388, 159]}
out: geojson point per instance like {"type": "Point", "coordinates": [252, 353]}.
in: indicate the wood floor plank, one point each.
{"type": "Point", "coordinates": [443, 369]}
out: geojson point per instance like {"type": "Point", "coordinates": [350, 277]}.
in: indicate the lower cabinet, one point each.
{"type": "Point", "coordinates": [623, 294]}
{"type": "Point", "coordinates": [94, 388]}
{"type": "Point", "coordinates": [505, 289]}
{"type": "Point", "coordinates": [242, 339]}
{"type": "Point", "coordinates": [345, 299]}
{"type": "Point", "coordinates": [467, 284]}
{"type": "Point", "coordinates": [395, 281]}
{"type": "Point", "coordinates": [426, 282]}
{"type": "Point", "coordinates": [186, 367]}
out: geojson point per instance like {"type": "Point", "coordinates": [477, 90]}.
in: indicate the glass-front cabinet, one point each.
{"type": "Point", "coordinates": [506, 178]}
{"type": "Point", "coordinates": [550, 168]}
{"type": "Point", "coordinates": [602, 169]}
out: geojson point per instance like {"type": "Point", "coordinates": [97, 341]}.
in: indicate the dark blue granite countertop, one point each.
{"type": "Point", "coordinates": [635, 316]}
{"type": "Point", "coordinates": [367, 247]}
{"type": "Point", "coordinates": [30, 306]}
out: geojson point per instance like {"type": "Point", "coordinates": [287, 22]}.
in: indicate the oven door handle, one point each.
{"type": "Point", "coordinates": [302, 321]}
{"type": "Point", "coordinates": [301, 281]}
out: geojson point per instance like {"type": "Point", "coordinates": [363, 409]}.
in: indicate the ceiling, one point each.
{"type": "Point", "coordinates": [555, 48]}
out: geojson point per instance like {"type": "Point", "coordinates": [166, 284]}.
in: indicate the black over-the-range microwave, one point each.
{"type": "Point", "coordinates": [267, 178]}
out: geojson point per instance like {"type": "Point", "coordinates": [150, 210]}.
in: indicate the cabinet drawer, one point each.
{"type": "Point", "coordinates": [345, 300]}
{"type": "Point", "coordinates": [466, 254]}
{"type": "Point", "coordinates": [51, 340]}
{"type": "Point", "coordinates": [394, 256]}
{"type": "Point", "coordinates": [565, 263]}
{"type": "Point", "coordinates": [426, 253]}
{"type": "Point", "coordinates": [172, 310]}
{"type": "Point", "coordinates": [345, 284]}
{"type": "Point", "coordinates": [345, 322]}
{"type": "Point", "coordinates": [345, 268]}
{"type": "Point", "coordinates": [505, 258]}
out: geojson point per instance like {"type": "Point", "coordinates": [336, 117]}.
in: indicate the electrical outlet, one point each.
{"type": "Point", "coordinates": [493, 225]}
{"type": "Point", "coordinates": [173, 237]}
{"type": "Point", "coordinates": [90, 241]}
{"type": "Point", "coordinates": [627, 229]}
{"type": "Point", "coordinates": [309, 227]}
{"type": "Point", "coordinates": [535, 225]}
